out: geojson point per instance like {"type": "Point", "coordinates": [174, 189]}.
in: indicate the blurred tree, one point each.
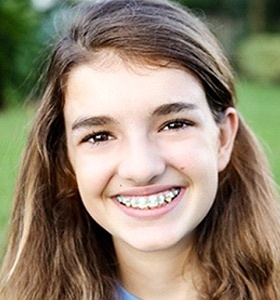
{"type": "Point", "coordinates": [264, 16]}
{"type": "Point", "coordinates": [209, 6]}
{"type": "Point", "coordinates": [273, 15]}
{"type": "Point", "coordinates": [18, 48]}
{"type": "Point", "coordinates": [257, 16]}
{"type": "Point", "coordinates": [233, 8]}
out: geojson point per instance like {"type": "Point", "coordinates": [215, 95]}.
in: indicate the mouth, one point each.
{"type": "Point", "coordinates": [151, 201]}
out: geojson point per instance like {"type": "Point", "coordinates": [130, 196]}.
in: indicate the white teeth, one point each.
{"type": "Point", "coordinates": [142, 203]}
{"type": "Point", "coordinates": [151, 201]}
{"type": "Point", "coordinates": [170, 196]}
{"type": "Point", "coordinates": [161, 199]}
{"type": "Point", "coordinates": [168, 199]}
{"type": "Point", "coordinates": [134, 202]}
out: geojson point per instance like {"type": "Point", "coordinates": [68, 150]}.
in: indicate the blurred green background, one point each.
{"type": "Point", "coordinates": [249, 31]}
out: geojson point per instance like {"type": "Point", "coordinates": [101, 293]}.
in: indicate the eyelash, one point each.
{"type": "Point", "coordinates": [98, 137]}
{"type": "Point", "coordinates": [177, 124]}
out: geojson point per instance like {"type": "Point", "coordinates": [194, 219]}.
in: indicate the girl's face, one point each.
{"type": "Point", "coordinates": [146, 151]}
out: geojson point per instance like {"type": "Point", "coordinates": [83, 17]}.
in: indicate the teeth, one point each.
{"type": "Point", "coordinates": [134, 202]}
{"type": "Point", "coordinates": [149, 202]}
{"type": "Point", "coordinates": [142, 203]}
{"type": "Point", "coordinates": [161, 199]}
{"type": "Point", "coordinates": [152, 201]}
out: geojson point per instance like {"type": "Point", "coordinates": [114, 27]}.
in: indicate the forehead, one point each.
{"type": "Point", "coordinates": [115, 85]}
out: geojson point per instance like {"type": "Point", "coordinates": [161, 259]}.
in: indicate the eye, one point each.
{"type": "Point", "coordinates": [176, 125]}
{"type": "Point", "coordinates": [98, 137]}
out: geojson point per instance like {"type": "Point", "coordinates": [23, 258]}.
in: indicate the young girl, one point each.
{"type": "Point", "coordinates": [140, 180]}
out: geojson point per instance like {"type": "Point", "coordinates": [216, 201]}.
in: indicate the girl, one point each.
{"type": "Point", "coordinates": [140, 180]}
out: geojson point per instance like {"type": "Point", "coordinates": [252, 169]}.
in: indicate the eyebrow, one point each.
{"type": "Point", "coordinates": [92, 121]}
{"type": "Point", "coordinates": [162, 110]}
{"type": "Point", "coordinates": [175, 107]}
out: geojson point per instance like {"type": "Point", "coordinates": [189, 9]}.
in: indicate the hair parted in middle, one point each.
{"type": "Point", "coordinates": [236, 245]}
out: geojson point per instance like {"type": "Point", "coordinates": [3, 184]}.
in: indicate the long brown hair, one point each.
{"type": "Point", "coordinates": [57, 251]}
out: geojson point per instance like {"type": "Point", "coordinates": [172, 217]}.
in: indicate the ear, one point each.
{"type": "Point", "coordinates": [228, 129]}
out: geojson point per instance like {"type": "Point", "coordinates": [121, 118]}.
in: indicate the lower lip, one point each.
{"type": "Point", "coordinates": [151, 213]}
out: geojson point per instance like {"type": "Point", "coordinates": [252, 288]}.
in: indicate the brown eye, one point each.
{"type": "Point", "coordinates": [176, 125]}
{"type": "Point", "coordinates": [98, 137]}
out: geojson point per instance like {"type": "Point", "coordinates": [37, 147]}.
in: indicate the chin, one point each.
{"type": "Point", "coordinates": [158, 243]}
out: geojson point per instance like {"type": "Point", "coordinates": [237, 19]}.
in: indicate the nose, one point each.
{"type": "Point", "coordinates": [141, 162]}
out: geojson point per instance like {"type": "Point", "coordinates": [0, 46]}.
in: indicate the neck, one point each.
{"type": "Point", "coordinates": [161, 275]}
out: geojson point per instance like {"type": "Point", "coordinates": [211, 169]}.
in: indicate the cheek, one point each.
{"type": "Point", "coordinates": [198, 164]}
{"type": "Point", "coordinates": [192, 157]}
{"type": "Point", "coordinates": [92, 176]}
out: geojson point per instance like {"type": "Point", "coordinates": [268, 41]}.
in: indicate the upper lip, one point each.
{"type": "Point", "coordinates": [146, 191]}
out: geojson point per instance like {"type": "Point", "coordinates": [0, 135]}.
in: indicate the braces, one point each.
{"type": "Point", "coordinates": [149, 202]}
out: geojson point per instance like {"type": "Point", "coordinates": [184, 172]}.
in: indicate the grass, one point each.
{"type": "Point", "coordinates": [259, 105]}
{"type": "Point", "coordinates": [13, 132]}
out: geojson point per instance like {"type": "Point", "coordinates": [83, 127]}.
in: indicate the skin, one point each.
{"type": "Point", "coordinates": [139, 130]}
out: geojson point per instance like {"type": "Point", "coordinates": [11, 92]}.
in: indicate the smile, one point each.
{"type": "Point", "coordinates": [149, 202]}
